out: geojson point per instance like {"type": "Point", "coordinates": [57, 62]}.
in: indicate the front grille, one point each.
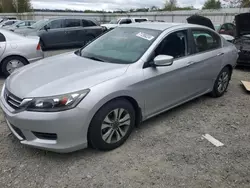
{"type": "Point", "coordinates": [18, 131]}
{"type": "Point", "coordinates": [12, 100]}
{"type": "Point", "coordinates": [45, 136]}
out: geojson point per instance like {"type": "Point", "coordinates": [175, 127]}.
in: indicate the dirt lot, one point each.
{"type": "Point", "coordinates": [165, 151]}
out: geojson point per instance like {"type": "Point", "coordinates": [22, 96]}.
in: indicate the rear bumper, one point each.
{"type": "Point", "coordinates": [39, 56]}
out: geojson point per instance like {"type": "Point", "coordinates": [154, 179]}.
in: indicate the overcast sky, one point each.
{"type": "Point", "coordinates": [107, 4]}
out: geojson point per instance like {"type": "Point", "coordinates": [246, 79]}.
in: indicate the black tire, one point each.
{"type": "Point", "coordinates": [42, 45]}
{"type": "Point", "coordinates": [95, 133]}
{"type": "Point", "coordinates": [11, 58]}
{"type": "Point", "coordinates": [216, 91]}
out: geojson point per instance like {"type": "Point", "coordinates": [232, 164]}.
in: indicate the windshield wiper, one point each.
{"type": "Point", "coordinates": [94, 58]}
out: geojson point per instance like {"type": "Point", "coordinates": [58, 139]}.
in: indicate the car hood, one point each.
{"type": "Point", "coordinates": [200, 20]}
{"type": "Point", "coordinates": [109, 25]}
{"type": "Point", "coordinates": [61, 74]}
{"type": "Point", "coordinates": [242, 22]}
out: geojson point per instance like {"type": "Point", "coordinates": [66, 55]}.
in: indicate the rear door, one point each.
{"type": "Point", "coordinates": [72, 29]}
{"type": "Point", "coordinates": [2, 44]}
{"type": "Point", "coordinates": [208, 54]}
{"type": "Point", "coordinates": [55, 34]}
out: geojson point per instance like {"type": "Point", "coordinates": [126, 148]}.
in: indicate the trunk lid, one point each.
{"type": "Point", "coordinates": [200, 20]}
{"type": "Point", "coordinates": [242, 22]}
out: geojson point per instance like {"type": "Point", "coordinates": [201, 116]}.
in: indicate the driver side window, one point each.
{"type": "Point", "coordinates": [55, 24]}
{"type": "Point", "coordinates": [175, 44]}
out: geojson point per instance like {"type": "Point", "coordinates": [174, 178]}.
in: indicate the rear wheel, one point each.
{"type": "Point", "coordinates": [12, 63]}
{"type": "Point", "coordinates": [221, 83]}
{"type": "Point", "coordinates": [112, 125]}
{"type": "Point", "coordinates": [42, 45]}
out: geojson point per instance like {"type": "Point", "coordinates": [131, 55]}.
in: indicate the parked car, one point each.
{"type": "Point", "coordinates": [17, 51]}
{"type": "Point", "coordinates": [120, 21]}
{"type": "Point", "coordinates": [63, 32]}
{"type": "Point", "coordinates": [7, 18]}
{"type": "Point", "coordinates": [242, 38]}
{"type": "Point", "coordinates": [97, 94]}
{"type": "Point", "coordinates": [226, 28]}
{"type": "Point", "coordinates": [8, 23]}
{"type": "Point", "coordinates": [20, 24]}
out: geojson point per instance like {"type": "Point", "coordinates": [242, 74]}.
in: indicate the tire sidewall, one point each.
{"type": "Point", "coordinates": [95, 137]}
{"type": "Point", "coordinates": [7, 60]}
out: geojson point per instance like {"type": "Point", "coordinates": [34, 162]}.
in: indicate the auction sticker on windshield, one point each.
{"type": "Point", "coordinates": [145, 36]}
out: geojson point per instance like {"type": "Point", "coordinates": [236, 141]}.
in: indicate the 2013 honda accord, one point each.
{"type": "Point", "coordinates": [96, 95]}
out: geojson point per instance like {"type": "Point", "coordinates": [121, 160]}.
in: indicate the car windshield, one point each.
{"type": "Point", "coordinates": [17, 23]}
{"type": "Point", "coordinates": [216, 27]}
{"type": "Point", "coordinates": [114, 21]}
{"type": "Point", "coordinates": [122, 45]}
{"type": "Point", "coordinates": [38, 24]}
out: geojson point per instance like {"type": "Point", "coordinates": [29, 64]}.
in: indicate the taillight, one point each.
{"type": "Point", "coordinates": [38, 46]}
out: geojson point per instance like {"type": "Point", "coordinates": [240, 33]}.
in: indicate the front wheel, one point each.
{"type": "Point", "coordinates": [221, 83]}
{"type": "Point", "coordinates": [112, 125]}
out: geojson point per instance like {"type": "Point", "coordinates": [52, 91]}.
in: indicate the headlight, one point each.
{"type": "Point", "coordinates": [56, 103]}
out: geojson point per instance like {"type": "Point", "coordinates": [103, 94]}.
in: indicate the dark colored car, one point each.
{"type": "Point", "coordinates": [63, 32]}
{"type": "Point", "coordinates": [226, 28]}
{"type": "Point", "coordinates": [242, 38]}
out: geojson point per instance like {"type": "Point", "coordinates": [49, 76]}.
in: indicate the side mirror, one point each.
{"type": "Point", "coordinates": [17, 26]}
{"type": "Point", "coordinates": [46, 28]}
{"type": "Point", "coordinates": [163, 60]}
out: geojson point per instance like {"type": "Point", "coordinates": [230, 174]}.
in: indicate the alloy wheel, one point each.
{"type": "Point", "coordinates": [115, 125]}
{"type": "Point", "coordinates": [223, 82]}
{"type": "Point", "coordinates": [13, 64]}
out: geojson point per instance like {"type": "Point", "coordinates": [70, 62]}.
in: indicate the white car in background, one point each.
{"type": "Point", "coordinates": [114, 23]}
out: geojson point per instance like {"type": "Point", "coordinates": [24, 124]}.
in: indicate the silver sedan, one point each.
{"type": "Point", "coordinates": [17, 51]}
{"type": "Point", "coordinates": [96, 95]}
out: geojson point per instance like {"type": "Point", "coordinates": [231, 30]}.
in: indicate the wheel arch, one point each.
{"type": "Point", "coordinates": [20, 56]}
{"type": "Point", "coordinates": [230, 67]}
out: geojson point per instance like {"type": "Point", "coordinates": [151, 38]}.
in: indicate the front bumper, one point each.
{"type": "Point", "coordinates": [61, 132]}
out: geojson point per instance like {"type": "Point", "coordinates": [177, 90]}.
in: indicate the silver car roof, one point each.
{"type": "Point", "coordinates": [161, 25]}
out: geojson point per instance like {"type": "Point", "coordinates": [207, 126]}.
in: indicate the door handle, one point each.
{"type": "Point", "coordinates": [191, 63]}
{"type": "Point", "coordinates": [219, 54]}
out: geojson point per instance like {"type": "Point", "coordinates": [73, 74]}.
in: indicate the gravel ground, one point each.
{"type": "Point", "coordinates": [165, 151]}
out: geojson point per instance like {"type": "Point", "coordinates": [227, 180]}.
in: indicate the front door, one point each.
{"type": "Point", "coordinates": [167, 86]}
{"type": "Point", "coordinates": [55, 34]}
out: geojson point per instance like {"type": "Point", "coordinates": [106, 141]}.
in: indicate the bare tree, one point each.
{"type": "Point", "coordinates": [170, 5]}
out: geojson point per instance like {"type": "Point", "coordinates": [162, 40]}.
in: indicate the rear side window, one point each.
{"type": "Point", "coordinates": [205, 40]}
{"type": "Point", "coordinates": [9, 23]}
{"type": "Point", "coordinates": [72, 23]}
{"type": "Point", "coordinates": [55, 24]}
{"type": "Point", "coordinates": [2, 38]}
{"type": "Point", "coordinates": [140, 20]}
{"type": "Point", "coordinates": [125, 21]}
{"type": "Point", "coordinates": [230, 26]}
